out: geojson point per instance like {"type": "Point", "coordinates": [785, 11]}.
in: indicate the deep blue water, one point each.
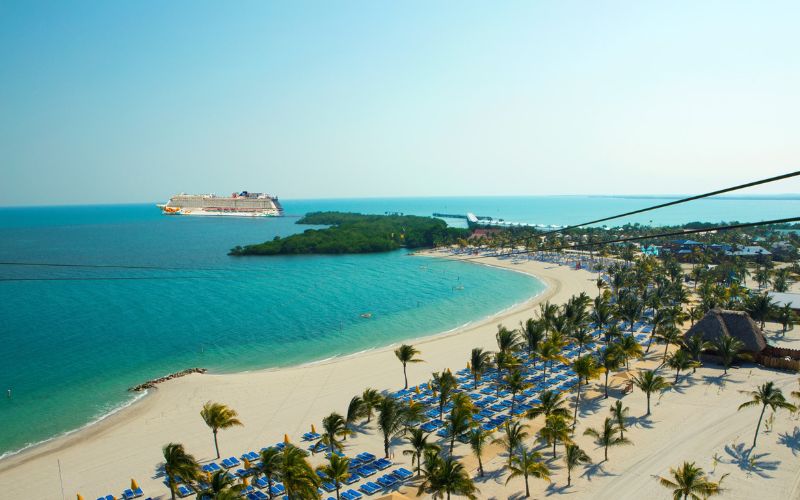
{"type": "Point", "coordinates": [71, 348]}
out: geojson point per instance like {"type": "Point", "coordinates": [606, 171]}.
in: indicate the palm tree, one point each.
{"type": "Point", "coordinates": [533, 333]}
{"type": "Point", "coordinates": [630, 310]}
{"type": "Point", "coordinates": [786, 317]}
{"type": "Point", "coordinates": [221, 485]}
{"type": "Point", "coordinates": [619, 413]}
{"type": "Point", "coordinates": [270, 465]}
{"type": "Point", "coordinates": [218, 416]}
{"type": "Point", "coordinates": [445, 476]}
{"type": "Point", "coordinates": [689, 481]}
{"type": "Point", "coordinates": [610, 360]}
{"type": "Point", "coordinates": [649, 382]}
{"type": "Point", "coordinates": [549, 351]}
{"type": "Point", "coordinates": [335, 427]}
{"type": "Point", "coordinates": [458, 422]}
{"type": "Point", "coordinates": [695, 345]}
{"type": "Point", "coordinates": [759, 307]}
{"type": "Point", "coordinates": [766, 395]}
{"type": "Point", "coordinates": [178, 463]}
{"type": "Point", "coordinates": [355, 410]}
{"type": "Point", "coordinates": [515, 383]}
{"type": "Point", "coordinates": [443, 384]}
{"type": "Point", "coordinates": [391, 421]}
{"type": "Point", "coordinates": [337, 471]}
{"type": "Point", "coordinates": [406, 354]}
{"type": "Point", "coordinates": [550, 403]}
{"type": "Point", "coordinates": [555, 429]}
{"type": "Point", "coordinates": [480, 361]}
{"type": "Point", "coordinates": [477, 442]}
{"type": "Point", "coordinates": [573, 457]}
{"type": "Point", "coordinates": [607, 436]}
{"type": "Point", "coordinates": [507, 340]}
{"type": "Point", "coordinates": [586, 368]}
{"type": "Point", "coordinates": [695, 314]}
{"type": "Point", "coordinates": [628, 348]}
{"type": "Point", "coordinates": [581, 336]}
{"type": "Point", "coordinates": [727, 349]}
{"type": "Point", "coordinates": [527, 463]}
{"type": "Point", "coordinates": [601, 285]}
{"type": "Point", "coordinates": [680, 360]}
{"type": "Point", "coordinates": [669, 336]}
{"type": "Point", "coordinates": [297, 475]}
{"type": "Point", "coordinates": [661, 319]}
{"type": "Point", "coordinates": [418, 440]}
{"type": "Point", "coordinates": [370, 399]}
{"type": "Point", "coordinates": [514, 436]}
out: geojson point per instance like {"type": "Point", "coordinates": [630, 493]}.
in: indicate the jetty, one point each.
{"type": "Point", "coordinates": [150, 384]}
{"type": "Point", "coordinates": [474, 221]}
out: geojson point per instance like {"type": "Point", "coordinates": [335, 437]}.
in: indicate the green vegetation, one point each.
{"type": "Point", "coordinates": [357, 233]}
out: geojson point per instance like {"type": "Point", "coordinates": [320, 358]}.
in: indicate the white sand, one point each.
{"type": "Point", "coordinates": [692, 423]}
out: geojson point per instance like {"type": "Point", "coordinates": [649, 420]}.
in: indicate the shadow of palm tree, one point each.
{"type": "Point", "coordinates": [590, 406]}
{"type": "Point", "coordinates": [597, 469]}
{"type": "Point", "coordinates": [750, 462]}
{"type": "Point", "coordinates": [720, 380]}
{"type": "Point", "coordinates": [552, 489]}
{"type": "Point", "coordinates": [645, 422]}
{"type": "Point", "coordinates": [792, 441]}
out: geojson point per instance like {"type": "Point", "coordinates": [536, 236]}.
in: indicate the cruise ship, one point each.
{"type": "Point", "coordinates": [244, 204]}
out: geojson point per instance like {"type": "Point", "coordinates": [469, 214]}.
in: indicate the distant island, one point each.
{"type": "Point", "coordinates": [357, 233]}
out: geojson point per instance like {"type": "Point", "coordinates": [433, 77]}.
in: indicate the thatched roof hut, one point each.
{"type": "Point", "coordinates": [720, 322]}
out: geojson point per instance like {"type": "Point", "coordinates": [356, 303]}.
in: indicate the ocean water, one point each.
{"type": "Point", "coordinates": [71, 347]}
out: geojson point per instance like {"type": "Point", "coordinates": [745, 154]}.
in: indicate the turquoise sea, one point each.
{"type": "Point", "coordinates": [71, 347]}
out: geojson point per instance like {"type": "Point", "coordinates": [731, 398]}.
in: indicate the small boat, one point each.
{"type": "Point", "coordinates": [366, 315]}
{"type": "Point", "coordinates": [459, 287]}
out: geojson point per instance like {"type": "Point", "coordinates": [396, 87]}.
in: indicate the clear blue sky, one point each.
{"type": "Point", "coordinates": [125, 101]}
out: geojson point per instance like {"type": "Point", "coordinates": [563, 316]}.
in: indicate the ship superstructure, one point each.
{"type": "Point", "coordinates": [244, 204]}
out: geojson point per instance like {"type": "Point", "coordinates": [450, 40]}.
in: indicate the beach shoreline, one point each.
{"type": "Point", "coordinates": [122, 420]}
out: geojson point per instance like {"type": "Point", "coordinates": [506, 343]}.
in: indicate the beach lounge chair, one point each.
{"type": "Point", "coordinates": [351, 495]}
{"type": "Point", "coordinates": [370, 488]}
{"type": "Point", "coordinates": [402, 473]}
{"type": "Point", "coordinates": [277, 489]}
{"type": "Point", "coordinates": [352, 479]}
{"type": "Point", "coordinates": [366, 457]}
{"type": "Point", "coordinates": [387, 481]}
{"type": "Point", "coordinates": [329, 487]}
{"type": "Point", "coordinates": [184, 491]}
{"type": "Point", "coordinates": [107, 497]}
{"type": "Point", "coordinates": [367, 471]}
{"type": "Point", "coordinates": [261, 483]}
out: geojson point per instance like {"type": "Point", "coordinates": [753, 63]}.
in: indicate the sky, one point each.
{"type": "Point", "coordinates": [133, 101]}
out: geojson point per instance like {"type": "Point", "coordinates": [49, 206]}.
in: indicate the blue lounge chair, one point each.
{"type": "Point", "coordinates": [383, 463]}
{"type": "Point", "coordinates": [184, 491]}
{"type": "Point", "coordinates": [277, 489]}
{"type": "Point", "coordinates": [366, 457]}
{"type": "Point", "coordinates": [402, 473]}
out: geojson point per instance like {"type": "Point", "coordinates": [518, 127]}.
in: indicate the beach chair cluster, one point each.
{"type": "Point", "coordinates": [127, 494]}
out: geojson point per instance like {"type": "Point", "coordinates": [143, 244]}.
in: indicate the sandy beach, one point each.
{"type": "Point", "coordinates": [696, 421]}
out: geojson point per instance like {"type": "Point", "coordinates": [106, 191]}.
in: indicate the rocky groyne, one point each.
{"type": "Point", "coordinates": [150, 384]}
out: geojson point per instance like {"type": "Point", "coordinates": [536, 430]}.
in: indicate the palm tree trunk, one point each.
{"type": "Point", "coordinates": [666, 349]}
{"type": "Point", "coordinates": [337, 490]}
{"type": "Point", "coordinates": [405, 377]}
{"type": "Point", "coordinates": [605, 453]}
{"type": "Point", "coordinates": [648, 403]}
{"type": "Point", "coordinates": [606, 391]}
{"type": "Point", "coordinates": [577, 403]}
{"type": "Point", "coordinates": [386, 445]}
{"type": "Point", "coordinates": [755, 437]}
{"type": "Point", "coordinates": [527, 489]}
{"type": "Point", "coordinates": [569, 476]}
{"type": "Point", "coordinates": [216, 445]}
{"type": "Point", "coordinates": [269, 486]}
{"type": "Point", "coordinates": [172, 487]}
{"type": "Point", "coordinates": [452, 442]}
{"type": "Point", "coordinates": [480, 465]}
{"type": "Point", "coordinates": [677, 372]}
{"type": "Point", "coordinates": [555, 442]}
